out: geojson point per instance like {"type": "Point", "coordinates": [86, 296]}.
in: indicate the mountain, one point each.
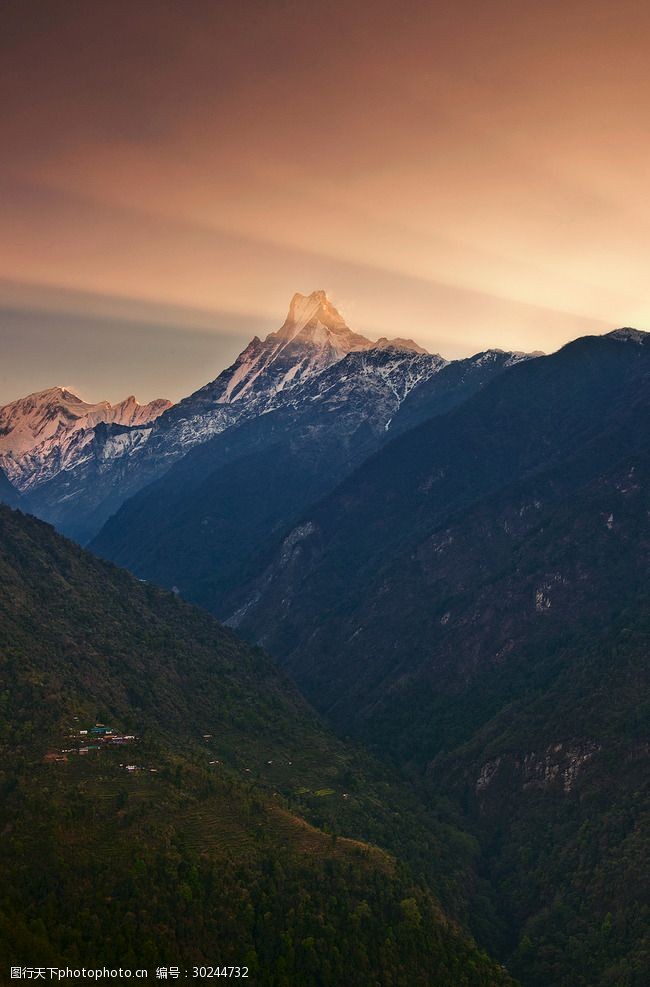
{"type": "Point", "coordinates": [312, 338]}
{"type": "Point", "coordinates": [208, 525]}
{"type": "Point", "coordinates": [49, 431]}
{"type": "Point", "coordinates": [8, 493]}
{"type": "Point", "coordinates": [200, 523]}
{"type": "Point", "coordinates": [473, 602]}
{"type": "Point", "coordinates": [530, 418]}
{"type": "Point", "coordinates": [114, 465]}
{"type": "Point", "coordinates": [168, 796]}
{"type": "Point", "coordinates": [456, 382]}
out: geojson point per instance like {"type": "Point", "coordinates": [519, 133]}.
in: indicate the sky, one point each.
{"type": "Point", "coordinates": [469, 174]}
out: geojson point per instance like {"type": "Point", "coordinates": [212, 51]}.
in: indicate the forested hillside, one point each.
{"type": "Point", "coordinates": [158, 780]}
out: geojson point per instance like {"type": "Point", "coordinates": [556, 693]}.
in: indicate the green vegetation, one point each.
{"type": "Point", "coordinates": [255, 858]}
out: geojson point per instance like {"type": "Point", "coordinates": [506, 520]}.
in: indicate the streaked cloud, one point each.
{"type": "Point", "coordinates": [466, 174]}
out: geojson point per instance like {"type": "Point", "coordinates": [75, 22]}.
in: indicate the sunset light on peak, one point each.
{"type": "Point", "coordinates": [468, 175]}
{"type": "Point", "coordinates": [324, 492]}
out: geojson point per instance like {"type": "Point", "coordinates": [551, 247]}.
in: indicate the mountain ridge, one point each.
{"type": "Point", "coordinates": [268, 375]}
{"type": "Point", "coordinates": [411, 462]}
{"type": "Point", "coordinates": [216, 512]}
{"type": "Point", "coordinates": [45, 432]}
{"type": "Point", "coordinates": [472, 602]}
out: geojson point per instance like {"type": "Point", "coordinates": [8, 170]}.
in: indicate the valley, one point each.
{"type": "Point", "coordinates": [446, 562]}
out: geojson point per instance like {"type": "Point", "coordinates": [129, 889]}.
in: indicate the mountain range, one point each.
{"type": "Point", "coordinates": [449, 560]}
{"type": "Point", "coordinates": [77, 463]}
{"type": "Point", "coordinates": [112, 462]}
{"type": "Point", "coordinates": [229, 497]}
{"type": "Point", "coordinates": [563, 417]}
{"type": "Point", "coordinates": [47, 432]}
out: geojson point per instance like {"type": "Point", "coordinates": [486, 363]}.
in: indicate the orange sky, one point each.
{"type": "Point", "coordinates": [470, 174]}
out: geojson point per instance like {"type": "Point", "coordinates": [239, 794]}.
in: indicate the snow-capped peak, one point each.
{"type": "Point", "coordinates": [39, 428]}
{"type": "Point", "coordinates": [495, 355]}
{"type": "Point", "coordinates": [399, 343]}
{"type": "Point", "coordinates": [313, 337]}
{"type": "Point", "coordinates": [305, 309]}
{"type": "Point", "coordinates": [313, 320]}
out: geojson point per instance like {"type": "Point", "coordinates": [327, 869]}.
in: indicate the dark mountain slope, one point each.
{"type": "Point", "coordinates": [547, 744]}
{"type": "Point", "coordinates": [455, 383]}
{"type": "Point", "coordinates": [197, 854]}
{"type": "Point", "coordinates": [115, 464]}
{"type": "Point", "coordinates": [555, 785]}
{"type": "Point", "coordinates": [500, 646]}
{"type": "Point", "coordinates": [209, 524]}
{"type": "Point", "coordinates": [202, 525]}
{"type": "Point", "coordinates": [8, 493]}
{"type": "Point", "coordinates": [531, 418]}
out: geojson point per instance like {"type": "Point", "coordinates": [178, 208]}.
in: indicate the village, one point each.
{"type": "Point", "coordinates": [92, 740]}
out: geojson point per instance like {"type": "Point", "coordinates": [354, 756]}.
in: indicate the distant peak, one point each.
{"type": "Point", "coordinates": [50, 395]}
{"type": "Point", "coordinates": [399, 343]}
{"type": "Point", "coordinates": [305, 310]}
{"type": "Point", "coordinates": [626, 333]}
{"type": "Point", "coordinates": [319, 297]}
{"type": "Point", "coordinates": [516, 354]}
{"type": "Point", "coordinates": [511, 356]}
{"type": "Point", "coordinates": [60, 394]}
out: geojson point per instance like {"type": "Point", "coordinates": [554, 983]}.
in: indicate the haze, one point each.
{"type": "Point", "coordinates": [467, 174]}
